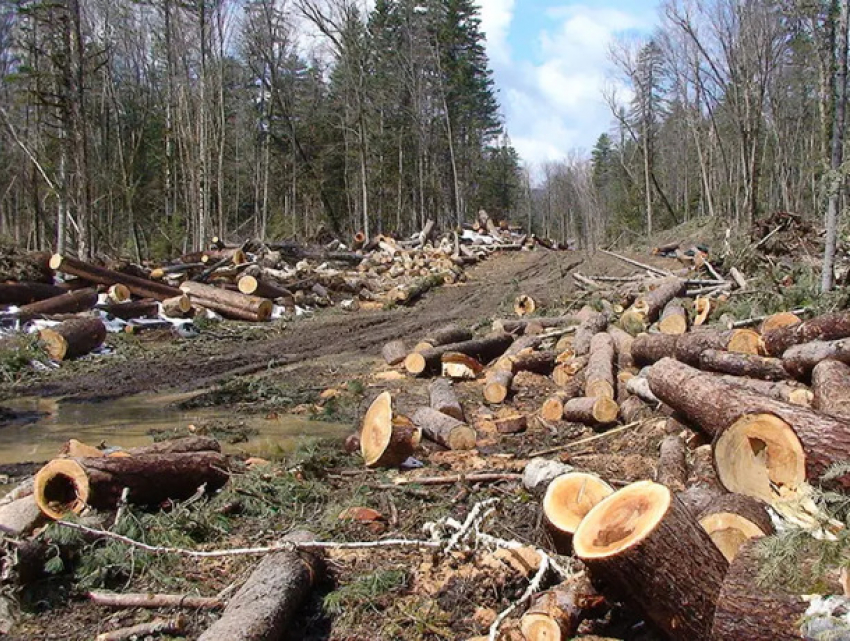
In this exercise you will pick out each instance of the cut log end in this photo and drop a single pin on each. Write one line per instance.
(61, 487)
(622, 520)
(570, 497)
(524, 305)
(385, 440)
(759, 454)
(777, 321)
(745, 341)
(414, 363)
(730, 531)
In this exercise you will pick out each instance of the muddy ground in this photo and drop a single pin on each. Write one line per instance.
(328, 365)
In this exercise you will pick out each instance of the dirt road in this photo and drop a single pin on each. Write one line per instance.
(195, 363)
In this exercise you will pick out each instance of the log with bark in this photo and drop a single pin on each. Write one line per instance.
(690, 346)
(519, 325)
(253, 286)
(443, 398)
(445, 335)
(553, 407)
(732, 519)
(497, 387)
(831, 388)
(511, 424)
(173, 626)
(672, 468)
(820, 328)
(64, 303)
(746, 610)
(800, 360)
(141, 287)
(542, 362)
(460, 366)
(738, 364)
(647, 548)
(153, 600)
(591, 411)
(70, 484)
(25, 293)
(73, 337)
(177, 307)
(702, 473)
(599, 373)
(555, 615)
(177, 446)
(567, 501)
(762, 447)
(647, 308)
(444, 429)
(144, 308)
(21, 516)
(597, 322)
(778, 321)
(387, 440)
(674, 318)
(394, 352)
(264, 607)
(483, 349)
(118, 293)
(567, 369)
(227, 303)
(411, 292)
(634, 409)
(789, 391)
(623, 342)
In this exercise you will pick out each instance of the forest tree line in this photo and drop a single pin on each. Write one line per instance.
(146, 127)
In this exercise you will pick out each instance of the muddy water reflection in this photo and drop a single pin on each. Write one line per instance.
(127, 422)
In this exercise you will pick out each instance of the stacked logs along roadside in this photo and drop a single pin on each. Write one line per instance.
(756, 411)
(252, 281)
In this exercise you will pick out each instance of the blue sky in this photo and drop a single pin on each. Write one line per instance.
(550, 61)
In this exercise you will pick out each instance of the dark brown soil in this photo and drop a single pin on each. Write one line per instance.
(192, 364)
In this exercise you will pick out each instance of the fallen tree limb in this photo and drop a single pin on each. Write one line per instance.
(151, 600)
(175, 625)
(630, 261)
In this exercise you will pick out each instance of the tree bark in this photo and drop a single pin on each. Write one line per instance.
(444, 336)
(443, 398)
(444, 429)
(145, 308)
(140, 287)
(831, 387)
(253, 286)
(557, 613)
(647, 308)
(66, 303)
(591, 411)
(25, 293)
(72, 338)
(646, 547)
(597, 322)
(394, 352)
(623, 342)
(672, 468)
(69, 485)
(265, 605)
(542, 362)
(737, 364)
(229, 304)
(599, 373)
(553, 407)
(519, 325)
(746, 610)
(21, 516)
(821, 328)
(482, 349)
(800, 360)
(498, 386)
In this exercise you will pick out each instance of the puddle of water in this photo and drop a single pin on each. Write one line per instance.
(127, 422)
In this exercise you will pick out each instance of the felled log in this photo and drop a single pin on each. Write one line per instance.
(746, 610)
(690, 346)
(460, 366)
(73, 337)
(65, 303)
(820, 328)
(253, 286)
(595, 323)
(498, 386)
(542, 362)
(566, 370)
(553, 407)
(519, 325)
(177, 307)
(674, 318)
(649, 348)
(555, 615)
(702, 472)
(672, 468)
(788, 391)
(177, 446)
(145, 308)
(482, 349)
(647, 548)
(524, 305)
(443, 398)
(591, 411)
(387, 440)
(229, 304)
(411, 292)
(599, 373)
(265, 605)
(512, 424)
(623, 343)
(444, 429)
(445, 335)
(800, 360)
(294, 252)
(118, 293)
(778, 321)
(172, 626)
(394, 352)
(25, 293)
(21, 516)
(183, 268)
(634, 409)
(141, 287)
(152, 600)
(831, 387)
(732, 519)
(737, 364)
(568, 499)
(648, 307)
(639, 386)
(70, 484)
(759, 443)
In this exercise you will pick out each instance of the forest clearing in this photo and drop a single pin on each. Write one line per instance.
(694, 391)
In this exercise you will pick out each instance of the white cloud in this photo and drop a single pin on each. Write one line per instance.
(554, 103)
